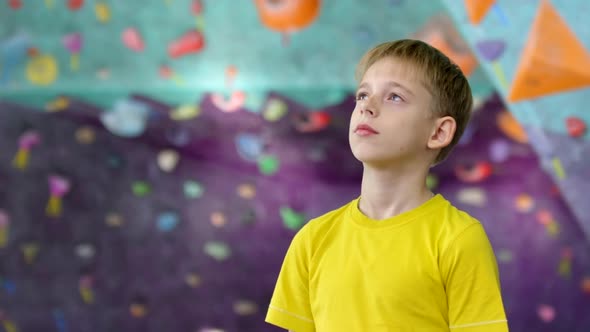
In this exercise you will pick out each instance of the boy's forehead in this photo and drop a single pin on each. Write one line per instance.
(409, 70)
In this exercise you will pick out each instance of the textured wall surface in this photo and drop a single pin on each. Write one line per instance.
(558, 36)
(130, 51)
(185, 225)
(186, 142)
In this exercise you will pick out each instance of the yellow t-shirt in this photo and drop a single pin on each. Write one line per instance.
(428, 269)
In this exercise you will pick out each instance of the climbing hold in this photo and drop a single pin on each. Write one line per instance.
(246, 191)
(491, 50)
(472, 196)
(193, 189)
(141, 188)
(132, 39)
(292, 219)
(218, 219)
(546, 313)
(167, 160)
(249, 146)
(218, 250)
(499, 150)
(476, 173)
(245, 307)
(268, 165)
(191, 42)
(275, 109)
(85, 135)
(167, 221)
(554, 59)
(575, 126)
(524, 203)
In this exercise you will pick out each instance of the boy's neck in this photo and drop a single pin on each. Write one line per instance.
(388, 192)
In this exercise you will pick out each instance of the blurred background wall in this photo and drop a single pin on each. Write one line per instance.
(157, 157)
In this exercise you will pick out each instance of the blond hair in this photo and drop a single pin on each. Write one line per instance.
(442, 78)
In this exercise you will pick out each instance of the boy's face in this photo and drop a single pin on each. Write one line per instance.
(393, 120)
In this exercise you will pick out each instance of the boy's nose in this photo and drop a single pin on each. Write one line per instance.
(368, 110)
(369, 107)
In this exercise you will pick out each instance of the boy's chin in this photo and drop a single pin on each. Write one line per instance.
(381, 161)
(373, 158)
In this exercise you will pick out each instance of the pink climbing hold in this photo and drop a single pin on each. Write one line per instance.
(132, 39)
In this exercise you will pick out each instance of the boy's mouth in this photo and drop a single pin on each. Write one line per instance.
(365, 130)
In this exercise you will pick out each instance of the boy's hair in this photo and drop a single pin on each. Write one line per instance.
(442, 78)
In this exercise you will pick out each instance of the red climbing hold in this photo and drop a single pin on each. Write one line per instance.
(575, 126)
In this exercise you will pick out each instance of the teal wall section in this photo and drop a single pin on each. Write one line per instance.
(544, 118)
(315, 67)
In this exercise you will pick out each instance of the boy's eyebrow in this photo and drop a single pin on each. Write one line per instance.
(398, 85)
(390, 83)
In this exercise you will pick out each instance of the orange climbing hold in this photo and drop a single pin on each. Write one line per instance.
(287, 16)
(511, 128)
(477, 9)
(553, 59)
(465, 60)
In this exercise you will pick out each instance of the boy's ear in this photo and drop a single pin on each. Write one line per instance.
(443, 132)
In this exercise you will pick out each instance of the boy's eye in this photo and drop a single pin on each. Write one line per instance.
(361, 96)
(395, 97)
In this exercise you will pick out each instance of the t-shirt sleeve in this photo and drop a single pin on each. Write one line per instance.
(290, 305)
(470, 272)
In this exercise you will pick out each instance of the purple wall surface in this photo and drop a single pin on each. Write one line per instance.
(183, 226)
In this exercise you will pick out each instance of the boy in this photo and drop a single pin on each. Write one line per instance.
(398, 258)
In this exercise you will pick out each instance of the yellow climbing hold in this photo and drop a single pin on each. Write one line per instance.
(42, 69)
(552, 229)
(559, 172)
(102, 11)
(58, 104)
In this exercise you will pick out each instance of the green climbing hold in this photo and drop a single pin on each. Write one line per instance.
(141, 188)
(292, 219)
(275, 110)
(218, 250)
(268, 165)
(193, 189)
(505, 256)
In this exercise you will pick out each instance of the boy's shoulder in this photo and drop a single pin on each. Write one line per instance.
(454, 223)
(329, 218)
(333, 214)
(456, 217)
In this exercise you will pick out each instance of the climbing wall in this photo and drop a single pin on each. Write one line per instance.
(536, 53)
(179, 50)
(156, 160)
(178, 229)
(184, 226)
